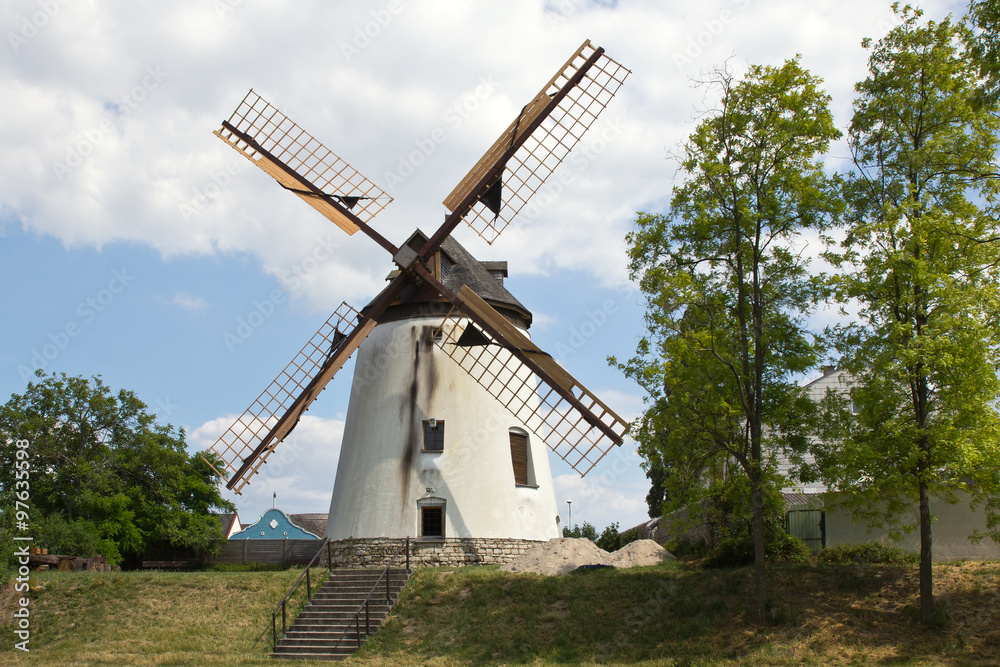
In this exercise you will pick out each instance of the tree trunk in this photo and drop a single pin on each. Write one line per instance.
(759, 556)
(926, 571)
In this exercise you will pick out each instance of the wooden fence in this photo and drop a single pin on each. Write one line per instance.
(299, 552)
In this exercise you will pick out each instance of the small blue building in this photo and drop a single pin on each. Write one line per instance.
(274, 525)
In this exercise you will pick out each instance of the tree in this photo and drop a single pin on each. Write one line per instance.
(922, 253)
(728, 290)
(104, 473)
(657, 495)
(984, 46)
(587, 530)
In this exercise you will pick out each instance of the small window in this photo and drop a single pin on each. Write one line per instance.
(519, 456)
(433, 435)
(432, 521)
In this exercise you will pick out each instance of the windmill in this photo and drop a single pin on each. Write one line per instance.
(443, 345)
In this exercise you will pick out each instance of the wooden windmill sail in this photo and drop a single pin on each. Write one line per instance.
(581, 428)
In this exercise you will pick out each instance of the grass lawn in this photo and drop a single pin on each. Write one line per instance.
(665, 615)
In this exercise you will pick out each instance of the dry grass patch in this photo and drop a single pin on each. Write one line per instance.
(669, 614)
(150, 618)
(824, 615)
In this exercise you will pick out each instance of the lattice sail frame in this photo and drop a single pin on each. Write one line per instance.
(281, 138)
(256, 422)
(531, 164)
(534, 403)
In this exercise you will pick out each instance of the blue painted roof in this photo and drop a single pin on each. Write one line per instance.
(273, 525)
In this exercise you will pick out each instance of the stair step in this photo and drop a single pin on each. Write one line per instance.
(361, 592)
(314, 619)
(323, 623)
(348, 646)
(326, 628)
(341, 612)
(314, 655)
(348, 640)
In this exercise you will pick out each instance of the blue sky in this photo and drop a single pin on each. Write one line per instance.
(132, 241)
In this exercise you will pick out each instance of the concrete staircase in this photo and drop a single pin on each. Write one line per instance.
(325, 629)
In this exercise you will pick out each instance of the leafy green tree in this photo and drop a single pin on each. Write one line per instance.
(728, 289)
(611, 539)
(983, 40)
(922, 253)
(657, 495)
(586, 530)
(104, 475)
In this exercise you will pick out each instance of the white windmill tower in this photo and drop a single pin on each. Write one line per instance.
(451, 404)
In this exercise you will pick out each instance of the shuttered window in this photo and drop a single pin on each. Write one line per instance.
(519, 457)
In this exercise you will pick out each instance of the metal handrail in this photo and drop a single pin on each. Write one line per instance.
(388, 598)
(281, 605)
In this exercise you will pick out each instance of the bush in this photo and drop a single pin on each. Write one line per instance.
(779, 547)
(75, 538)
(612, 540)
(867, 552)
(686, 545)
(586, 530)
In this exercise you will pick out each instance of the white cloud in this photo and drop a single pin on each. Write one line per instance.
(301, 470)
(603, 499)
(110, 116)
(189, 302)
(109, 109)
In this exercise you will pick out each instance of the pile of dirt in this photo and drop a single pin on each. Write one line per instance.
(640, 554)
(560, 555)
(565, 554)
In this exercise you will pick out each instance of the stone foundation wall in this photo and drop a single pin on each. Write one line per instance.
(451, 552)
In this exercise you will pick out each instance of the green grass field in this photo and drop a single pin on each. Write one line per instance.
(665, 615)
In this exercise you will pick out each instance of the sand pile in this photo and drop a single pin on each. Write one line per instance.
(639, 554)
(560, 555)
(565, 554)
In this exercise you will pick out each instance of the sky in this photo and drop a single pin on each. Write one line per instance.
(137, 246)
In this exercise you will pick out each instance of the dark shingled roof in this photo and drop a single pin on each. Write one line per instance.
(314, 523)
(227, 520)
(459, 267)
(467, 270)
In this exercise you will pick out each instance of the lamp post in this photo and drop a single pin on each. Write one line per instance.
(569, 504)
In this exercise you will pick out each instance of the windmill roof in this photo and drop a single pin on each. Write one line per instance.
(459, 267)
(467, 270)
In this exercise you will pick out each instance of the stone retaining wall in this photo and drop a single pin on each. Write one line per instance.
(451, 552)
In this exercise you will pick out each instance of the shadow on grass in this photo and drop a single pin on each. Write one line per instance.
(825, 614)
